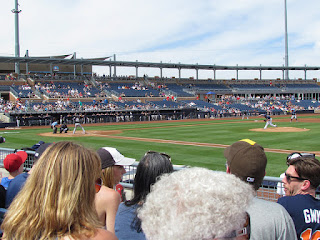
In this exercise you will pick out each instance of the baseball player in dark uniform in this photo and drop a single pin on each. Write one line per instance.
(64, 128)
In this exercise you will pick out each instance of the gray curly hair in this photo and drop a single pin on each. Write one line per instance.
(195, 203)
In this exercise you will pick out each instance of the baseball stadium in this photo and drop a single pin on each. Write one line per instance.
(190, 120)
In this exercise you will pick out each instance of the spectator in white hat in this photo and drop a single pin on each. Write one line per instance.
(107, 199)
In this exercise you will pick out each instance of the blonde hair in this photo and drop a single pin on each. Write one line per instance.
(58, 197)
(107, 176)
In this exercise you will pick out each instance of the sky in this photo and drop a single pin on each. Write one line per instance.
(221, 32)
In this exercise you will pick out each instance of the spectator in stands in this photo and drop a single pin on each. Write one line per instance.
(107, 199)
(18, 182)
(280, 186)
(2, 196)
(247, 160)
(13, 163)
(151, 166)
(300, 183)
(193, 204)
(57, 201)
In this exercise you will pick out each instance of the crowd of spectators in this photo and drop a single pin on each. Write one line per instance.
(73, 187)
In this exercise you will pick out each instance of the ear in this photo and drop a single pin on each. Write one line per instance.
(305, 185)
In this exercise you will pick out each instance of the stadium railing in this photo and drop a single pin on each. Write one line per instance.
(267, 191)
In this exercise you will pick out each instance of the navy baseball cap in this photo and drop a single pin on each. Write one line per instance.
(41, 149)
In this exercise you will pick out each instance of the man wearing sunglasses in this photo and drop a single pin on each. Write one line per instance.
(269, 221)
(300, 183)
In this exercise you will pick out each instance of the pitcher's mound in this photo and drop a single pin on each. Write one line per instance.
(280, 129)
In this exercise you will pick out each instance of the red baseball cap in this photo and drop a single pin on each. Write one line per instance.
(13, 161)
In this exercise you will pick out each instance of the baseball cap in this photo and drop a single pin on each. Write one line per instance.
(111, 156)
(247, 160)
(13, 161)
(40, 150)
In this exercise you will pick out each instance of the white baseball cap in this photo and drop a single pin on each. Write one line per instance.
(111, 156)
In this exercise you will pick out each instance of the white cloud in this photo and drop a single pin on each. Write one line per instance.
(244, 32)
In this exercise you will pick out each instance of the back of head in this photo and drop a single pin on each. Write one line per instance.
(149, 169)
(58, 197)
(308, 168)
(109, 158)
(214, 202)
(247, 160)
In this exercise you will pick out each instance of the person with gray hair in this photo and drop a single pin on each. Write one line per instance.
(193, 204)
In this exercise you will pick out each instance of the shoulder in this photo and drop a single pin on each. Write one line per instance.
(107, 195)
(266, 206)
(104, 235)
(21, 178)
(295, 201)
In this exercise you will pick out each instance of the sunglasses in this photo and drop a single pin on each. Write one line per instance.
(289, 178)
(98, 184)
(161, 153)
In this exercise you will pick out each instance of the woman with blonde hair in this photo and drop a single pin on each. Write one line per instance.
(57, 200)
(107, 199)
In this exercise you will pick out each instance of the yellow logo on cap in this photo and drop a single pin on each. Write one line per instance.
(248, 141)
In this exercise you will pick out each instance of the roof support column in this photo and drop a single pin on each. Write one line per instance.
(305, 72)
(137, 71)
(27, 64)
(260, 73)
(51, 70)
(237, 73)
(110, 70)
(115, 70)
(74, 66)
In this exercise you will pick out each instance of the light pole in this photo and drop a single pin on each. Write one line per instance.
(286, 57)
(16, 11)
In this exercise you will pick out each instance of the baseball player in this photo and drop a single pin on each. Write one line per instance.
(54, 126)
(293, 115)
(77, 124)
(64, 128)
(268, 121)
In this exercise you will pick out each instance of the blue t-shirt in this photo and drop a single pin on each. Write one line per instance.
(305, 213)
(5, 182)
(14, 187)
(123, 226)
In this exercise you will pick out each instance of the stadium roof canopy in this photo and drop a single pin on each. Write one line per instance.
(104, 62)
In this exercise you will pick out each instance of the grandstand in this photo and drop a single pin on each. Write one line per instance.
(43, 94)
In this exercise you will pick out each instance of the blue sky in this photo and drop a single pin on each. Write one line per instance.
(243, 32)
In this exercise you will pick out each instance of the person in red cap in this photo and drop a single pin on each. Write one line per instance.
(13, 163)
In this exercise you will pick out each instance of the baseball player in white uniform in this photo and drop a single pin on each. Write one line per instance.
(268, 121)
(77, 124)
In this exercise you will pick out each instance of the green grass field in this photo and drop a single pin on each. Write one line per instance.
(210, 131)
